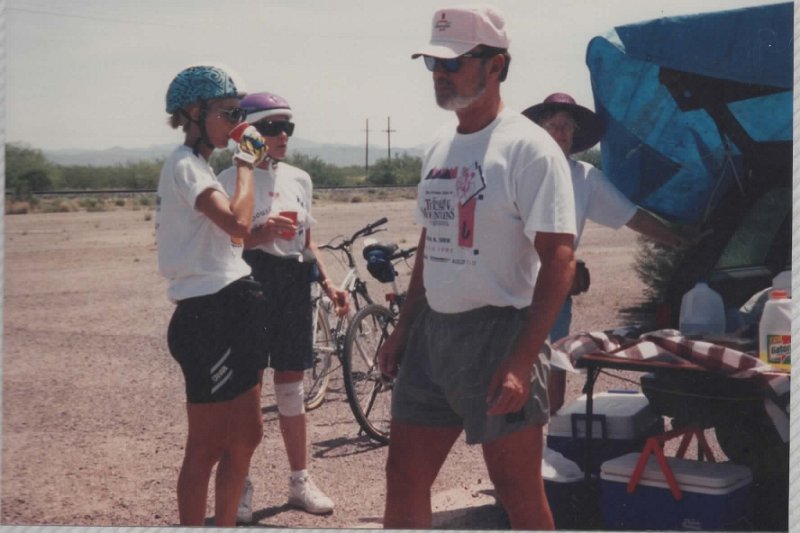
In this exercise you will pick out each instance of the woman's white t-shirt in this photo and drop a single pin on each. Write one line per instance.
(195, 255)
(597, 199)
(482, 199)
(280, 187)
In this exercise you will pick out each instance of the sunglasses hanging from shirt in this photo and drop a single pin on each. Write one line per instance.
(268, 128)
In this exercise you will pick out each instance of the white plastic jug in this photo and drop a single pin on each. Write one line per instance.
(783, 281)
(702, 311)
(775, 331)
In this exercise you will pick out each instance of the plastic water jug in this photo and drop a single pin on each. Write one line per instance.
(783, 281)
(775, 331)
(702, 311)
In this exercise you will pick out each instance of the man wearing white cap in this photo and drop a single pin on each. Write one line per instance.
(497, 210)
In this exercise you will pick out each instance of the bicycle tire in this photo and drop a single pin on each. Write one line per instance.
(316, 378)
(369, 393)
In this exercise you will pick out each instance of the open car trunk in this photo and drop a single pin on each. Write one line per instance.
(699, 131)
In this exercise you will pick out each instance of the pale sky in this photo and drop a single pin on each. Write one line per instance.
(94, 73)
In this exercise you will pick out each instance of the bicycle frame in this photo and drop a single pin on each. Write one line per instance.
(394, 299)
(368, 390)
(328, 337)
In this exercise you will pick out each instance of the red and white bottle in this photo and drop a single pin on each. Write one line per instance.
(775, 331)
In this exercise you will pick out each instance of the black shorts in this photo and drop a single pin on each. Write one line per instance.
(216, 339)
(287, 301)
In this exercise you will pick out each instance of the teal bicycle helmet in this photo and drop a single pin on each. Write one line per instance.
(199, 84)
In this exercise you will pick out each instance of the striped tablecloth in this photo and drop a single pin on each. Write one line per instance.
(669, 346)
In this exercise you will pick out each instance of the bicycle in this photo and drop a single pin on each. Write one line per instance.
(369, 391)
(328, 330)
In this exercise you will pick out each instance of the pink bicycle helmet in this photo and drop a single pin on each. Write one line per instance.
(263, 105)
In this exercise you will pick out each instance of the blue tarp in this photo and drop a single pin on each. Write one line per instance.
(671, 157)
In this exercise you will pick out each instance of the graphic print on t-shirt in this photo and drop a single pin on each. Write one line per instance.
(465, 183)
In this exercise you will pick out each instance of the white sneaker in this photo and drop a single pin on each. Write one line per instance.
(305, 494)
(244, 514)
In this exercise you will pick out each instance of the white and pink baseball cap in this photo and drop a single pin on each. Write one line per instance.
(457, 30)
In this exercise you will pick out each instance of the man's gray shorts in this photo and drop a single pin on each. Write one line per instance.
(447, 366)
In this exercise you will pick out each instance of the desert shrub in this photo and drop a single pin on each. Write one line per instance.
(55, 206)
(17, 207)
(92, 204)
(323, 174)
(402, 170)
(27, 171)
(654, 264)
(145, 200)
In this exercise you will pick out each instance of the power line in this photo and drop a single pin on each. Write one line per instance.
(366, 165)
(89, 17)
(389, 131)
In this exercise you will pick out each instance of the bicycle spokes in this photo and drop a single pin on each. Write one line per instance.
(368, 391)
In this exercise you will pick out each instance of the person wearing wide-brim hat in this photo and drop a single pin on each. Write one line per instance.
(589, 129)
(575, 129)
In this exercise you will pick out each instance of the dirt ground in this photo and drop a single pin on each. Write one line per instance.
(93, 413)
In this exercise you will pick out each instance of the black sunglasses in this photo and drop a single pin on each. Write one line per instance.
(268, 128)
(233, 115)
(454, 64)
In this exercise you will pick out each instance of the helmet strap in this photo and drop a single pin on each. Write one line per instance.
(201, 121)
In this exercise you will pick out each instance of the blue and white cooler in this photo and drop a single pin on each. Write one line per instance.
(713, 496)
(622, 421)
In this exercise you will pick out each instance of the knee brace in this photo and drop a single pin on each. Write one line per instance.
(289, 398)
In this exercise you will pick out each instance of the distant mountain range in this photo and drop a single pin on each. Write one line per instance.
(334, 154)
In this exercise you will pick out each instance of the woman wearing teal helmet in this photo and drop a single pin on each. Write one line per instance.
(216, 328)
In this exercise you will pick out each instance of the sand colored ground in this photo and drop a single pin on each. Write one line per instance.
(93, 406)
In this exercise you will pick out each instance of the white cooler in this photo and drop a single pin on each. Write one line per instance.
(626, 417)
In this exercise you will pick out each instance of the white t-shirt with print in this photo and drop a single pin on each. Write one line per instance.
(195, 255)
(597, 199)
(280, 187)
(482, 199)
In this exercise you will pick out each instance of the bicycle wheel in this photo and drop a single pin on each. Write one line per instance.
(315, 379)
(368, 391)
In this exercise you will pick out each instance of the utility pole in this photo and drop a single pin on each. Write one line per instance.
(389, 131)
(366, 160)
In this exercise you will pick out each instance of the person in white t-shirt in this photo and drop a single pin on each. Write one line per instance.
(283, 258)
(214, 332)
(494, 264)
(576, 129)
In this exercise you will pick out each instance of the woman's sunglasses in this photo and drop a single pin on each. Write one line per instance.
(268, 128)
(453, 65)
(234, 115)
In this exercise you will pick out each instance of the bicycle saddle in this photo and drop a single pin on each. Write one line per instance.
(386, 249)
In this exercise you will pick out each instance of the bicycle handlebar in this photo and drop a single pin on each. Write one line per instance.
(369, 229)
(403, 254)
